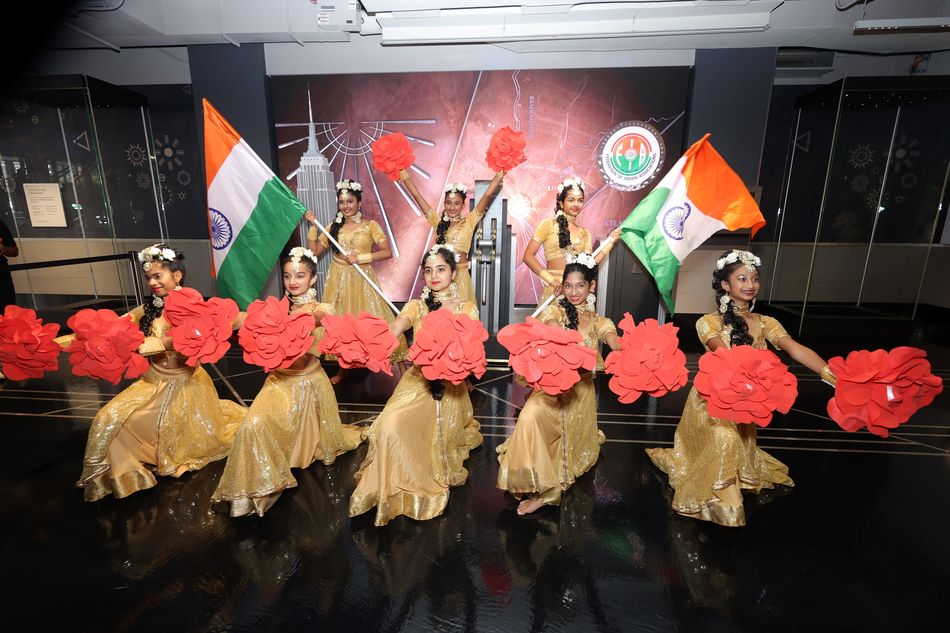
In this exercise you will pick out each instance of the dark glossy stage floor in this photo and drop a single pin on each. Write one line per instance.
(862, 543)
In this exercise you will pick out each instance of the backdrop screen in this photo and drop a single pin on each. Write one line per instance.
(567, 115)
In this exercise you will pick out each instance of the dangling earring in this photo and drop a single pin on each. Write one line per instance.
(724, 303)
(591, 301)
(445, 217)
(453, 291)
(177, 287)
(339, 217)
(752, 305)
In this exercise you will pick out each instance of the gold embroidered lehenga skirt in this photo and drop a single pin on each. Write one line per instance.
(414, 455)
(169, 421)
(712, 461)
(555, 440)
(293, 421)
(463, 280)
(349, 293)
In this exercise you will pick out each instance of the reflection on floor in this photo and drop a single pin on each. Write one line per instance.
(860, 544)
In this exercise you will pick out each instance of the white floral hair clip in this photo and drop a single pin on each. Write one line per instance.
(435, 251)
(298, 252)
(572, 183)
(748, 259)
(155, 253)
(584, 259)
(347, 184)
(456, 187)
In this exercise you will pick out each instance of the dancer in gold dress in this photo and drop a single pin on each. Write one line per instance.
(293, 421)
(713, 460)
(556, 438)
(416, 447)
(454, 228)
(345, 289)
(560, 236)
(170, 420)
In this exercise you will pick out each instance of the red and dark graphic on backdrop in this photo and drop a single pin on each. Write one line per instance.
(618, 129)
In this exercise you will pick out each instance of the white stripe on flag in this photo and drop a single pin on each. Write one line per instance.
(235, 189)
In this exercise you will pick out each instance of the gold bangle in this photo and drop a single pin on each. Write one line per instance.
(364, 258)
(608, 246)
(312, 234)
(828, 376)
(546, 277)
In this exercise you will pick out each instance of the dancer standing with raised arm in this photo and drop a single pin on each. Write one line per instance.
(346, 290)
(453, 227)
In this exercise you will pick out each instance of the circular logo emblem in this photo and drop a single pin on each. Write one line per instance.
(631, 155)
(221, 233)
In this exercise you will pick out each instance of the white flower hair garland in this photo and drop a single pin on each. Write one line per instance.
(749, 260)
(584, 259)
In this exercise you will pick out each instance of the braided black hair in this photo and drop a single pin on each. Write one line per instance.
(590, 276)
(739, 335)
(336, 225)
(153, 311)
(437, 387)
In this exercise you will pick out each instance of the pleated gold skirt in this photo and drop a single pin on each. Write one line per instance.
(555, 441)
(349, 293)
(416, 455)
(169, 421)
(293, 421)
(712, 461)
(463, 279)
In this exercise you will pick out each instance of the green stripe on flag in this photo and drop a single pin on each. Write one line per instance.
(642, 234)
(256, 248)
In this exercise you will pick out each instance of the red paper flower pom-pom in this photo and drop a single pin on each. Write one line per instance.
(649, 360)
(391, 154)
(201, 329)
(106, 346)
(359, 341)
(745, 384)
(546, 356)
(506, 150)
(271, 338)
(880, 390)
(449, 347)
(27, 349)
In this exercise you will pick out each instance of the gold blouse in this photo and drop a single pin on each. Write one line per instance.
(762, 328)
(547, 235)
(415, 310)
(317, 332)
(460, 232)
(359, 239)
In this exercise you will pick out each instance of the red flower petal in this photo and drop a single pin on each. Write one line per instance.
(27, 349)
(271, 337)
(546, 356)
(392, 153)
(744, 384)
(363, 341)
(506, 150)
(449, 347)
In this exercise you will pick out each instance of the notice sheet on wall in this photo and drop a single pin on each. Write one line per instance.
(45, 204)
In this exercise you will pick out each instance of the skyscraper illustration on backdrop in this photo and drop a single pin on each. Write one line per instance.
(316, 190)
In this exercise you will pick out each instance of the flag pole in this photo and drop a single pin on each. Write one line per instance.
(548, 301)
(356, 266)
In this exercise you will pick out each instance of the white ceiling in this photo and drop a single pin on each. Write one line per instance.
(527, 26)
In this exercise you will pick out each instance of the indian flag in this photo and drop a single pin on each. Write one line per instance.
(698, 196)
(251, 213)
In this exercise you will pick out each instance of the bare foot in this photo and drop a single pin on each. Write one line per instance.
(528, 506)
(338, 377)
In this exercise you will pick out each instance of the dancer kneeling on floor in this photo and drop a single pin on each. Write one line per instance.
(170, 420)
(713, 460)
(415, 454)
(556, 438)
(294, 420)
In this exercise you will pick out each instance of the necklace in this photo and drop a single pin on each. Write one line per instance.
(308, 297)
(451, 294)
